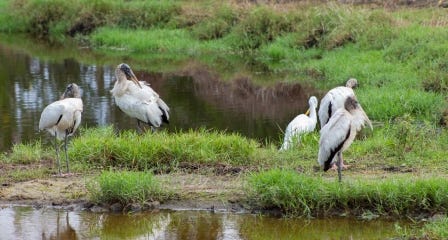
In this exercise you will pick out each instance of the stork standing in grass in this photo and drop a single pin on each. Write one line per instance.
(62, 118)
(334, 100)
(338, 134)
(138, 100)
(301, 124)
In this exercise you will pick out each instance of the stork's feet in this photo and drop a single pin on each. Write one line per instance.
(64, 175)
(335, 167)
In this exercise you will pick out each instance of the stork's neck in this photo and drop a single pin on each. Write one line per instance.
(313, 115)
(120, 86)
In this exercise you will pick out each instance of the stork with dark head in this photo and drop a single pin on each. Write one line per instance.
(62, 118)
(339, 133)
(137, 99)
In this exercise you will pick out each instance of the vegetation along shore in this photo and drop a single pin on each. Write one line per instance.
(398, 53)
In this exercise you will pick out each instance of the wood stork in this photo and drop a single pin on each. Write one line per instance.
(338, 134)
(301, 124)
(137, 99)
(334, 100)
(62, 118)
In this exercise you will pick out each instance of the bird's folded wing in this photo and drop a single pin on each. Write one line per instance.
(51, 115)
(333, 135)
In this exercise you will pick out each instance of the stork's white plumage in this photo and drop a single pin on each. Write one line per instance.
(137, 99)
(62, 118)
(301, 124)
(334, 100)
(338, 134)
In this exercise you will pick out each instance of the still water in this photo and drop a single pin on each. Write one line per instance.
(50, 223)
(32, 75)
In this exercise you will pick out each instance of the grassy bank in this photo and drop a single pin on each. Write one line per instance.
(304, 195)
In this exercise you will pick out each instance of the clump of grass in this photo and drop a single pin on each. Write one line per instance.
(20, 175)
(262, 25)
(334, 25)
(125, 188)
(216, 26)
(147, 14)
(304, 195)
(24, 153)
(437, 229)
(105, 148)
(45, 17)
(434, 229)
(156, 40)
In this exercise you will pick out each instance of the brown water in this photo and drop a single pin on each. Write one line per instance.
(32, 75)
(50, 223)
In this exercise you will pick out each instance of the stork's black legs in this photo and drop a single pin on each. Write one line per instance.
(65, 149)
(56, 147)
(339, 166)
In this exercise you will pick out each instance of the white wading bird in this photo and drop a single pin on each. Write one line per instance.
(338, 134)
(62, 118)
(137, 99)
(334, 100)
(301, 124)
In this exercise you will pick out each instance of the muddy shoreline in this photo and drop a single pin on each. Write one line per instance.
(192, 192)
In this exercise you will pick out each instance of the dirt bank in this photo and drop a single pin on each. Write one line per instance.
(192, 191)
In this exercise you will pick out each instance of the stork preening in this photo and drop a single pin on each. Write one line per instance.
(138, 100)
(338, 134)
(301, 124)
(334, 100)
(62, 118)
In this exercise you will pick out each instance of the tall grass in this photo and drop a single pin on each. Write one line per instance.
(26, 153)
(125, 188)
(437, 229)
(403, 143)
(176, 41)
(102, 147)
(303, 195)
(45, 18)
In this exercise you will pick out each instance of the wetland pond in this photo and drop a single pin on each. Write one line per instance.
(51, 223)
(32, 75)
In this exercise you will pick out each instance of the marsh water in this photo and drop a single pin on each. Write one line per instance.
(51, 223)
(33, 74)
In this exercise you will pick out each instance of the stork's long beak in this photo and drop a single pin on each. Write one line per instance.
(307, 112)
(135, 80)
(131, 76)
(367, 119)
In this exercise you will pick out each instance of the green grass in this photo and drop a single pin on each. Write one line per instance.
(25, 174)
(401, 143)
(437, 229)
(102, 147)
(126, 187)
(304, 195)
(157, 40)
(26, 153)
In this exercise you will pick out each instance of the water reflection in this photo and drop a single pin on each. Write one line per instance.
(197, 97)
(48, 223)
